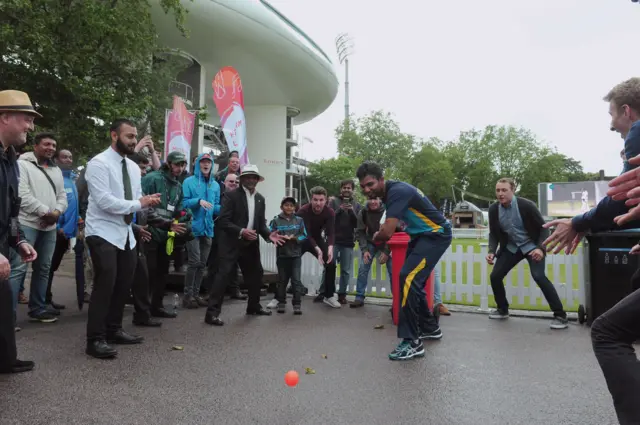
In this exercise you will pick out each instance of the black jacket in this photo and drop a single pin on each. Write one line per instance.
(368, 225)
(531, 218)
(234, 216)
(346, 221)
(10, 233)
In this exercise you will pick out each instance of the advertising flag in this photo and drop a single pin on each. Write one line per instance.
(229, 100)
(178, 131)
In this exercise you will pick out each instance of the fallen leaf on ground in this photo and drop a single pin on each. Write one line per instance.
(309, 371)
(378, 327)
(177, 347)
(324, 356)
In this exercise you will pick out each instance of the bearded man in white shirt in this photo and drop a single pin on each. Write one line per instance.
(114, 195)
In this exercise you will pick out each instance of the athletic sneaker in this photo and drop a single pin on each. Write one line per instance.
(435, 334)
(297, 310)
(44, 317)
(407, 350)
(282, 308)
(498, 314)
(332, 302)
(559, 323)
(272, 304)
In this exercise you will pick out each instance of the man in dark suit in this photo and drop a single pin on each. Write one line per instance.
(241, 221)
(516, 225)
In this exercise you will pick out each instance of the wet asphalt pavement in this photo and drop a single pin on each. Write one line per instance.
(481, 372)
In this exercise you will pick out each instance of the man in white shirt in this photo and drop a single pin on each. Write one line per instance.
(114, 195)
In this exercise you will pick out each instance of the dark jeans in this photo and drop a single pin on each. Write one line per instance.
(329, 269)
(289, 268)
(423, 254)
(113, 274)
(248, 258)
(612, 335)
(62, 244)
(507, 261)
(158, 266)
(140, 290)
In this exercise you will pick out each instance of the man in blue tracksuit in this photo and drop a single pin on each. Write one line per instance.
(202, 196)
(67, 227)
(430, 237)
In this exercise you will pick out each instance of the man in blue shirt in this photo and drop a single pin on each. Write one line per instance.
(430, 237)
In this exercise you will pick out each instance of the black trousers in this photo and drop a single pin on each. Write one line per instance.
(140, 290)
(212, 270)
(8, 352)
(158, 266)
(62, 245)
(329, 284)
(507, 261)
(612, 336)
(113, 271)
(248, 258)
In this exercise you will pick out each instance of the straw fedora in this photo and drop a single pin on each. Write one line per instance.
(251, 170)
(16, 101)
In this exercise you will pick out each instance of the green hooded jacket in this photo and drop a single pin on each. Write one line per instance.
(170, 190)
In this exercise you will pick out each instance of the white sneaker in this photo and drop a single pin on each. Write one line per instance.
(332, 302)
(272, 304)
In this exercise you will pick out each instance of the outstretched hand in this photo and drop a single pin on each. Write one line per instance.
(563, 237)
(277, 239)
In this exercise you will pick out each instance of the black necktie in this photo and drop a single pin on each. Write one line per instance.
(127, 189)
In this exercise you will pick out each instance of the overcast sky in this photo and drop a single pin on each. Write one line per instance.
(446, 66)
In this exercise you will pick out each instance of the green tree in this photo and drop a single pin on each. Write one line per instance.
(328, 173)
(430, 171)
(86, 62)
(375, 137)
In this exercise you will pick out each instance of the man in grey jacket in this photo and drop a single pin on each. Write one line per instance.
(44, 199)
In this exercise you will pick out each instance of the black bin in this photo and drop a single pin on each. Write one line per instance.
(610, 268)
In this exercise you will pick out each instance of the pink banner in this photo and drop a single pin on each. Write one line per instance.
(178, 132)
(229, 100)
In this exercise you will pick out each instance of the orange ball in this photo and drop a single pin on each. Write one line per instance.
(291, 378)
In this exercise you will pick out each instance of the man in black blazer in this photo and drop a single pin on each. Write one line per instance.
(241, 221)
(515, 224)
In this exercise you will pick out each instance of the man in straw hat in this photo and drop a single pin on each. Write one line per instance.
(16, 120)
(242, 220)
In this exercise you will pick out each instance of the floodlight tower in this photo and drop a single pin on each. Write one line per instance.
(344, 47)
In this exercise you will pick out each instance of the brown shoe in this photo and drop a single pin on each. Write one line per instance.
(189, 303)
(356, 304)
(444, 311)
(342, 299)
(22, 299)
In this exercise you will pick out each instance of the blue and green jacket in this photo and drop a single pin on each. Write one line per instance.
(286, 226)
(195, 189)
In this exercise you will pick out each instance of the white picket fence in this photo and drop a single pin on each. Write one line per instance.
(465, 277)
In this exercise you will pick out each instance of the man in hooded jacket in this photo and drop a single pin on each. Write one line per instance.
(202, 196)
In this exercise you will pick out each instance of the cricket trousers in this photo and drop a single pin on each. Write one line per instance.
(423, 254)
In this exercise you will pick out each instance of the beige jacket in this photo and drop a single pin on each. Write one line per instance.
(38, 196)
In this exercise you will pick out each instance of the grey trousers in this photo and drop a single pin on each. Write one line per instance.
(197, 254)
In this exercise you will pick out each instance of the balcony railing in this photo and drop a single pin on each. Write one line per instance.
(292, 191)
(183, 90)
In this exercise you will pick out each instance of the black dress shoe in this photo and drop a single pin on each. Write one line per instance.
(100, 350)
(19, 366)
(238, 296)
(123, 338)
(163, 313)
(148, 323)
(261, 312)
(57, 306)
(213, 320)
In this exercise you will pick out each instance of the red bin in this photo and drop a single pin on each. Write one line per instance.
(398, 244)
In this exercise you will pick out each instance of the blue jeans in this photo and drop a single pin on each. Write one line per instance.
(437, 296)
(343, 255)
(44, 242)
(363, 271)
